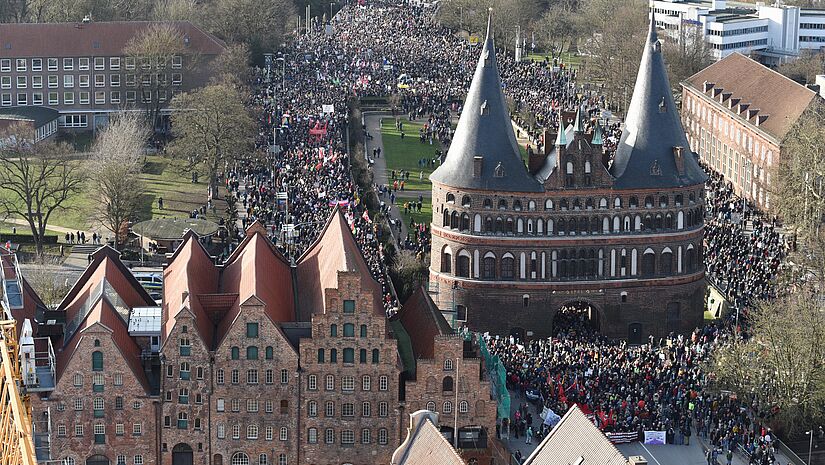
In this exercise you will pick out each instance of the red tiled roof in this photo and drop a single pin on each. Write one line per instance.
(102, 313)
(423, 321)
(335, 250)
(762, 88)
(191, 271)
(90, 39)
(258, 269)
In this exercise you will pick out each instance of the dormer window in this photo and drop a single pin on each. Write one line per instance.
(657, 46)
(662, 106)
(655, 170)
(499, 171)
(486, 58)
(485, 109)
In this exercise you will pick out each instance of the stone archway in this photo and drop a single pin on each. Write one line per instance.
(579, 315)
(97, 460)
(182, 454)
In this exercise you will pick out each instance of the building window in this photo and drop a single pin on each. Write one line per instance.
(183, 396)
(329, 436)
(269, 353)
(138, 460)
(83, 80)
(220, 405)
(329, 409)
(22, 99)
(236, 431)
(61, 431)
(177, 79)
(219, 376)
(312, 435)
(53, 82)
(252, 376)
(114, 63)
(221, 431)
(330, 382)
(119, 403)
(130, 62)
(252, 353)
(463, 407)
(236, 405)
(100, 80)
(118, 379)
(137, 429)
(320, 355)
(235, 353)
(382, 436)
(269, 433)
(37, 82)
(251, 405)
(97, 405)
(68, 98)
(284, 434)
(84, 98)
(366, 381)
(68, 81)
(362, 356)
(183, 420)
(21, 82)
(131, 96)
(52, 64)
(100, 433)
(349, 330)
(252, 330)
(383, 409)
(349, 306)
(333, 330)
(5, 82)
(383, 383)
(312, 408)
(114, 80)
(78, 380)
(282, 459)
(100, 63)
(119, 429)
(5, 65)
(100, 97)
(312, 382)
(121, 459)
(269, 376)
(184, 370)
(83, 64)
(348, 410)
(97, 361)
(348, 383)
(333, 356)
(5, 100)
(349, 355)
(21, 64)
(284, 376)
(78, 430)
(68, 64)
(240, 459)
(347, 437)
(263, 459)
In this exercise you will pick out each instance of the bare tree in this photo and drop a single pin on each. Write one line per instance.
(212, 128)
(232, 67)
(799, 189)
(686, 56)
(50, 285)
(37, 179)
(115, 166)
(560, 27)
(177, 10)
(780, 366)
(805, 68)
(155, 50)
(258, 23)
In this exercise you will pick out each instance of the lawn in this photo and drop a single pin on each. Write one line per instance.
(404, 155)
(569, 59)
(161, 177)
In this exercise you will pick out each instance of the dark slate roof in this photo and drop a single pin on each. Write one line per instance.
(644, 157)
(40, 116)
(489, 135)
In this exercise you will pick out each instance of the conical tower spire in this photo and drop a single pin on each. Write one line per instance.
(484, 153)
(561, 139)
(577, 126)
(653, 136)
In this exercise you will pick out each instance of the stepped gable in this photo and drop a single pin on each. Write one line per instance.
(190, 278)
(575, 439)
(106, 265)
(485, 130)
(423, 321)
(333, 252)
(257, 269)
(647, 152)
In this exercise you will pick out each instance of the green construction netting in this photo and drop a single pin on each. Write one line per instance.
(498, 377)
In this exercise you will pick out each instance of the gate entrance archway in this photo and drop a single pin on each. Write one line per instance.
(578, 317)
(97, 460)
(182, 454)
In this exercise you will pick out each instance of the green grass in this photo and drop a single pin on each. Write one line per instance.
(569, 59)
(161, 177)
(405, 154)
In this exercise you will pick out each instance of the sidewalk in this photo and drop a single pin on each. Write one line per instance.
(379, 168)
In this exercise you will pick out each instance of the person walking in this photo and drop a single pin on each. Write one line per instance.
(529, 435)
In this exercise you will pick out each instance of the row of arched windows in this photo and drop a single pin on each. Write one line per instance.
(589, 203)
(348, 355)
(572, 263)
(571, 225)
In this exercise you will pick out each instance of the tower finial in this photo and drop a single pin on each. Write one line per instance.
(489, 22)
(577, 125)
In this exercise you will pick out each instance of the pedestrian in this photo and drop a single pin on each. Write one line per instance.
(729, 457)
(529, 435)
(160, 203)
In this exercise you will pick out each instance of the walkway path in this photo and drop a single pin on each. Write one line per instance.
(372, 120)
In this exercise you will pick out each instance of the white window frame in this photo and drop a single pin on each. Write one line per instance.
(68, 64)
(100, 63)
(83, 64)
(68, 81)
(114, 63)
(37, 82)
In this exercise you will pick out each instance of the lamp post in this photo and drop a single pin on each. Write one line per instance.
(811, 443)
(283, 71)
(330, 11)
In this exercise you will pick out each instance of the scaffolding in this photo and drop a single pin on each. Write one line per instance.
(16, 445)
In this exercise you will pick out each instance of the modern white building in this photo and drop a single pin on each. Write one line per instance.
(771, 34)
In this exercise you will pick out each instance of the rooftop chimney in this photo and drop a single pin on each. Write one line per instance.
(478, 162)
(636, 460)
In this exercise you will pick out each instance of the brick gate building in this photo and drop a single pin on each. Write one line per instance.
(512, 245)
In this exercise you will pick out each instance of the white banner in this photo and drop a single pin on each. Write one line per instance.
(655, 437)
(328, 108)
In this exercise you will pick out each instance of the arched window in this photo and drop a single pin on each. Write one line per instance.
(97, 361)
(235, 353)
(633, 202)
(431, 406)
(349, 330)
(663, 201)
(603, 203)
(454, 220)
(240, 459)
(68, 461)
(376, 356)
(678, 200)
(488, 225)
(648, 263)
(446, 259)
(510, 226)
(465, 222)
(507, 267)
(488, 203)
(586, 167)
(605, 225)
(588, 204)
(477, 223)
(252, 353)
(617, 202)
(463, 407)
(666, 262)
(362, 356)
(320, 355)
(658, 221)
(269, 353)
(568, 167)
(502, 204)
(450, 197)
(531, 205)
(349, 355)
(447, 407)
(445, 221)
(649, 201)
(447, 384)
(548, 204)
(669, 221)
(488, 269)
(448, 364)
(465, 201)
(520, 226)
(517, 205)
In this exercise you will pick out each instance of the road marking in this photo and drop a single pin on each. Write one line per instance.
(651, 453)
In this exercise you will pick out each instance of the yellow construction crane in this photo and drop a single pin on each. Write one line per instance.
(16, 439)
